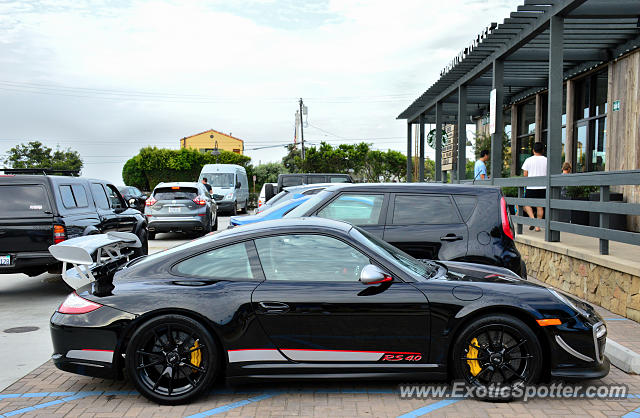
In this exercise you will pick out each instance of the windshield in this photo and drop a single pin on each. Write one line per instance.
(220, 179)
(277, 197)
(308, 205)
(404, 260)
(279, 205)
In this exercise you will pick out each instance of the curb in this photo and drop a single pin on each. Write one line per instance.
(623, 358)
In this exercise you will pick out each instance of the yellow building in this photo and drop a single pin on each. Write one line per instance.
(209, 140)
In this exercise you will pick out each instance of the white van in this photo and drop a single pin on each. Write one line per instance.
(229, 186)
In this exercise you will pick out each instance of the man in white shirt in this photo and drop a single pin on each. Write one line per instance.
(534, 166)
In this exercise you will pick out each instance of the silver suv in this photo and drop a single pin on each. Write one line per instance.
(180, 207)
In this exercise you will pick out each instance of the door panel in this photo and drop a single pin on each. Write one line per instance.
(426, 226)
(108, 219)
(313, 307)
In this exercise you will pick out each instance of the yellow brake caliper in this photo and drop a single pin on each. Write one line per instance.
(474, 365)
(196, 356)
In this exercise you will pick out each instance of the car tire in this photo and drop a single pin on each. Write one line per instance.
(215, 224)
(246, 206)
(152, 235)
(496, 350)
(234, 209)
(180, 375)
(144, 240)
(523, 270)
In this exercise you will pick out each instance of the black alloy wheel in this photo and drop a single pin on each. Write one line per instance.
(497, 351)
(171, 359)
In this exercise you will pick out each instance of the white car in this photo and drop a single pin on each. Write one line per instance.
(261, 199)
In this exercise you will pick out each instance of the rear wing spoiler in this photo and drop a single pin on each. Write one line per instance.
(94, 256)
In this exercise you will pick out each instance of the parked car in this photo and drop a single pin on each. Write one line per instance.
(262, 199)
(298, 179)
(317, 298)
(181, 207)
(229, 186)
(37, 211)
(288, 193)
(431, 221)
(133, 196)
(276, 211)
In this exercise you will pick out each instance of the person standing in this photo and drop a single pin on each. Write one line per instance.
(535, 166)
(480, 168)
(206, 184)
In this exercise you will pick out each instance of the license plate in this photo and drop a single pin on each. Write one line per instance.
(174, 210)
(5, 260)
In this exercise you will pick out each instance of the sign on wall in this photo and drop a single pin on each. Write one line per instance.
(616, 105)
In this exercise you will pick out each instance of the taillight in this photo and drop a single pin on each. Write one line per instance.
(74, 304)
(504, 215)
(199, 200)
(150, 201)
(59, 234)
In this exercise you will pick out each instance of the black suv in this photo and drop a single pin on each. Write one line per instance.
(426, 220)
(37, 211)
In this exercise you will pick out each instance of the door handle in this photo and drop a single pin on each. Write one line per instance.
(274, 307)
(451, 237)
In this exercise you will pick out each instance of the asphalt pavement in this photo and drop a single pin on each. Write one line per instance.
(26, 304)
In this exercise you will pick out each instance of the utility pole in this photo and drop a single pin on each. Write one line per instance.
(301, 129)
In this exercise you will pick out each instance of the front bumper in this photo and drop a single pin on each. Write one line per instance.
(29, 262)
(225, 205)
(597, 371)
(87, 344)
(183, 224)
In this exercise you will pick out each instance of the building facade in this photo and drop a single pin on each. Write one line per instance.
(211, 140)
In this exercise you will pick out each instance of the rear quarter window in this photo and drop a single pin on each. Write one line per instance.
(73, 196)
(23, 200)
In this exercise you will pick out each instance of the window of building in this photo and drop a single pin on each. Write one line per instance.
(591, 124)
(526, 132)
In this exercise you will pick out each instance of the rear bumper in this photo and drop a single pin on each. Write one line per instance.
(225, 206)
(87, 344)
(29, 262)
(183, 224)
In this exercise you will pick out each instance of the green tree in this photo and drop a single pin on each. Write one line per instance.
(133, 175)
(35, 155)
(483, 141)
(292, 161)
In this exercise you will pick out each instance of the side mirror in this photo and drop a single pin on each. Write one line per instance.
(238, 185)
(371, 274)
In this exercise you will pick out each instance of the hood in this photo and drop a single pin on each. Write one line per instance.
(243, 220)
(481, 273)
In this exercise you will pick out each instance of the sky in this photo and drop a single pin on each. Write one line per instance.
(109, 77)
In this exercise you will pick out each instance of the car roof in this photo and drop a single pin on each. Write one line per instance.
(310, 224)
(415, 188)
(308, 186)
(178, 184)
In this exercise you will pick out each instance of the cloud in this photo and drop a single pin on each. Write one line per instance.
(167, 69)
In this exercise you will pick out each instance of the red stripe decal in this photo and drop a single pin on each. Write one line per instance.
(92, 349)
(333, 351)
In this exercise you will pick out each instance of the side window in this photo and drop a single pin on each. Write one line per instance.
(424, 209)
(67, 196)
(99, 196)
(230, 262)
(310, 258)
(357, 209)
(338, 180)
(466, 204)
(316, 179)
(80, 194)
(114, 197)
(289, 181)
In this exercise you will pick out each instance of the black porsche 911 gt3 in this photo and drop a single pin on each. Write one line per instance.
(315, 298)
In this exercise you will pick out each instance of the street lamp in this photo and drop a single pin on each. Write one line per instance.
(215, 151)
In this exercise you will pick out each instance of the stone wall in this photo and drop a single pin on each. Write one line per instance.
(612, 289)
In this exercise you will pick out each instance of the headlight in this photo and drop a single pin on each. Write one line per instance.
(601, 330)
(229, 196)
(568, 302)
